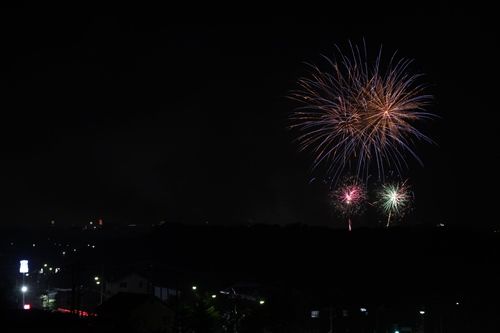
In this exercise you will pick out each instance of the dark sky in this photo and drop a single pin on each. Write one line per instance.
(149, 114)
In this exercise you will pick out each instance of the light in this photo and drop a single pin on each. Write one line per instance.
(315, 314)
(34, 244)
(194, 287)
(98, 282)
(63, 253)
(24, 289)
(362, 309)
(23, 266)
(396, 331)
(27, 306)
(50, 268)
(96, 278)
(261, 302)
(214, 296)
(457, 303)
(422, 312)
(44, 265)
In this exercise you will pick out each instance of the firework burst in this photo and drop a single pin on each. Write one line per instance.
(394, 200)
(349, 199)
(360, 113)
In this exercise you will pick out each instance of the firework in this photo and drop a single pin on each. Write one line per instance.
(360, 113)
(394, 199)
(349, 199)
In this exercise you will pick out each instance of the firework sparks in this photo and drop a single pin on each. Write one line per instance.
(359, 114)
(394, 199)
(349, 199)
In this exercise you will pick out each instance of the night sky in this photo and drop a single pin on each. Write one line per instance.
(150, 114)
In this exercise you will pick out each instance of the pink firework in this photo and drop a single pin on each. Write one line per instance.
(349, 199)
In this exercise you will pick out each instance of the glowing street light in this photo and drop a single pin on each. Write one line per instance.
(214, 296)
(24, 289)
(194, 287)
(422, 312)
(261, 302)
(96, 278)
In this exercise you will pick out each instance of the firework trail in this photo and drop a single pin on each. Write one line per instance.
(394, 199)
(349, 199)
(360, 113)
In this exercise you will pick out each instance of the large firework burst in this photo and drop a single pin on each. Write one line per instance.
(349, 199)
(394, 199)
(360, 112)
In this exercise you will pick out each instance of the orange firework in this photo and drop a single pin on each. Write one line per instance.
(358, 113)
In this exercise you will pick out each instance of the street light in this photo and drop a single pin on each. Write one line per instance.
(422, 312)
(96, 278)
(261, 302)
(194, 287)
(214, 296)
(24, 290)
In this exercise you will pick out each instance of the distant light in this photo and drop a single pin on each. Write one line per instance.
(57, 269)
(27, 274)
(88, 245)
(44, 265)
(261, 302)
(457, 303)
(93, 246)
(74, 250)
(362, 309)
(41, 271)
(315, 314)
(34, 244)
(422, 312)
(63, 253)
(396, 331)
(24, 289)
(91, 222)
(194, 287)
(96, 278)
(27, 306)
(98, 282)
(50, 268)
(214, 296)
(23, 266)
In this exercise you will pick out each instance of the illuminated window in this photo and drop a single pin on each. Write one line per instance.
(315, 314)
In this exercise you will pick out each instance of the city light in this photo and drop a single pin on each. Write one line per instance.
(261, 302)
(98, 282)
(96, 278)
(194, 287)
(214, 296)
(362, 309)
(24, 289)
(422, 312)
(27, 306)
(23, 266)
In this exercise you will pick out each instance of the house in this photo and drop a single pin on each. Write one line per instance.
(131, 283)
